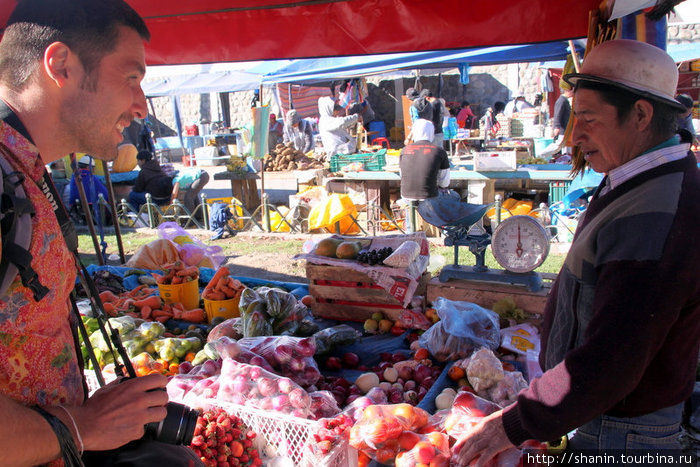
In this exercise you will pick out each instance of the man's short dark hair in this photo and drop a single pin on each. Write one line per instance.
(88, 27)
(499, 106)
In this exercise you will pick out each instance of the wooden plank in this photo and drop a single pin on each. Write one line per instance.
(353, 294)
(352, 312)
(485, 294)
(335, 273)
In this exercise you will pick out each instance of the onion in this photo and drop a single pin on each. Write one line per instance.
(285, 385)
(421, 372)
(280, 402)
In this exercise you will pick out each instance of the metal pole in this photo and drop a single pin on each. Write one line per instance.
(113, 207)
(86, 209)
(266, 213)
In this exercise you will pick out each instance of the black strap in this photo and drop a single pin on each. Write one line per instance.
(69, 452)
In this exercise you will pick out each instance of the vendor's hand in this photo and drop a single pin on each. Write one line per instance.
(483, 442)
(117, 413)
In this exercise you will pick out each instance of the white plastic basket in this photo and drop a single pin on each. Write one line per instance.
(285, 435)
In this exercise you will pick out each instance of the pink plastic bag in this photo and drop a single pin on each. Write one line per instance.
(192, 252)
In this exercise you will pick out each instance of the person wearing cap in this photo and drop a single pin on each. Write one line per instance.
(621, 327)
(424, 168)
(334, 129)
(92, 186)
(412, 94)
(517, 105)
(685, 119)
(298, 132)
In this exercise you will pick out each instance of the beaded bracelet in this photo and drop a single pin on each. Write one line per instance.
(69, 452)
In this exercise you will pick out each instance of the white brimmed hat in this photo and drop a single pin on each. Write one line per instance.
(638, 67)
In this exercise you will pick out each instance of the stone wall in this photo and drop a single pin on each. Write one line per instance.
(487, 84)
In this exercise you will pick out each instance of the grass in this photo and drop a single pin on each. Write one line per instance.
(250, 245)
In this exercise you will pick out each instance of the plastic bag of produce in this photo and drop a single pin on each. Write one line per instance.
(339, 335)
(323, 405)
(289, 356)
(250, 385)
(404, 255)
(463, 326)
(429, 449)
(379, 426)
(230, 348)
(230, 328)
(467, 410)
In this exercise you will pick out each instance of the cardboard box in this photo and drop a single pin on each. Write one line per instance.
(495, 161)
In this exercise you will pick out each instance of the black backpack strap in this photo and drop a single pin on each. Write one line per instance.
(15, 214)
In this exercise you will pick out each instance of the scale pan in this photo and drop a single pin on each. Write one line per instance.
(446, 211)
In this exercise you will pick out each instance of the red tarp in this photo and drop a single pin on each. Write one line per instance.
(206, 31)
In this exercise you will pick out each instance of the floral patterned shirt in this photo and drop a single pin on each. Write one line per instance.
(38, 362)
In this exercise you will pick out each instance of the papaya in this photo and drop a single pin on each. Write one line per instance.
(327, 247)
(348, 250)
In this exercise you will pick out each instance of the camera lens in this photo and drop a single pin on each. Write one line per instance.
(176, 428)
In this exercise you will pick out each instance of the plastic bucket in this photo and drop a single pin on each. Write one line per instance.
(222, 308)
(187, 294)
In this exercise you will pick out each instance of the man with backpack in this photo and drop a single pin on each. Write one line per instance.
(70, 74)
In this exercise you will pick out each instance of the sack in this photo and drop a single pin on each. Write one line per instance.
(16, 220)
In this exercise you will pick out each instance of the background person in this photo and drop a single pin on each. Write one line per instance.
(685, 119)
(621, 330)
(465, 116)
(70, 74)
(439, 112)
(275, 132)
(191, 181)
(298, 131)
(562, 113)
(151, 179)
(424, 168)
(334, 129)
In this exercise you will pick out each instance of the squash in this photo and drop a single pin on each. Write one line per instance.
(126, 159)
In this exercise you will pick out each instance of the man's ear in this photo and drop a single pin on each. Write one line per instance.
(642, 112)
(57, 63)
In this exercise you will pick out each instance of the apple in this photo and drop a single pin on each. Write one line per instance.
(351, 360)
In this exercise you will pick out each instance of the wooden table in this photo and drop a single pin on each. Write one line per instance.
(243, 187)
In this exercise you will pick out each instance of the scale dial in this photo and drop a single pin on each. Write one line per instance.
(520, 244)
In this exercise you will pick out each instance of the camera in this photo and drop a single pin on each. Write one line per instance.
(176, 428)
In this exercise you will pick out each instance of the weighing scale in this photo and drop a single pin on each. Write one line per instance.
(519, 244)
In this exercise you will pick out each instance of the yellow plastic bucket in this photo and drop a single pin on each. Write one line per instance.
(187, 294)
(222, 308)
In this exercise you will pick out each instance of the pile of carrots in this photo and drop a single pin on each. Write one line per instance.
(222, 286)
(150, 307)
(177, 273)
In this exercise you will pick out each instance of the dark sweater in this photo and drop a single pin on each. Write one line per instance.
(621, 331)
(151, 179)
(420, 164)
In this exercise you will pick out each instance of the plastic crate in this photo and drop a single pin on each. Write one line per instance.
(370, 160)
(286, 436)
(557, 191)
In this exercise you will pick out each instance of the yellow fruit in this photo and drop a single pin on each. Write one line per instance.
(348, 250)
(327, 247)
(385, 325)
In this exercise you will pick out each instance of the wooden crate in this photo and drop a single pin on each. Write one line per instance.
(485, 294)
(345, 294)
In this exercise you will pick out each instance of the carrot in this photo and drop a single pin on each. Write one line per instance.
(146, 312)
(176, 280)
(190, 271)
(135, 291)
(234, 283)
(227, 291)
(109, 308)
(161, 313)
(153, 302)
(193, 316)
(212, 295)
(158, 277)
(218, 275)
(108, 296)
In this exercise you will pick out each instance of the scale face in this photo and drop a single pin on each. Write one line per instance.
(520, 244)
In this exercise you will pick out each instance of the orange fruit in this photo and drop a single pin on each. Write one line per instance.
(407, 440)
(421, 354)
(189, 356)
(371, 412)
(420, 418)
(174, 368)
(363, 459)
(405, 413)
(142, 371)
(423, 452)
(385, 455)
(236, 449)
(456, 373)
(439, 440)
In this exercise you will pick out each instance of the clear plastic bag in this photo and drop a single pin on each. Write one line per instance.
(339, 335)
(270, 311)
(191, 251)
(404, 255)
(467, 410)
(463, 326)
(289, 356)
(249, 385)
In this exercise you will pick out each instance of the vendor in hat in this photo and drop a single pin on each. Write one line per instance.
(335, 129)
(621, 328)
(298, 132)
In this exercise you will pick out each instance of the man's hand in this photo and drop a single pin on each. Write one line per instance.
(484, 442)
(117, 413)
